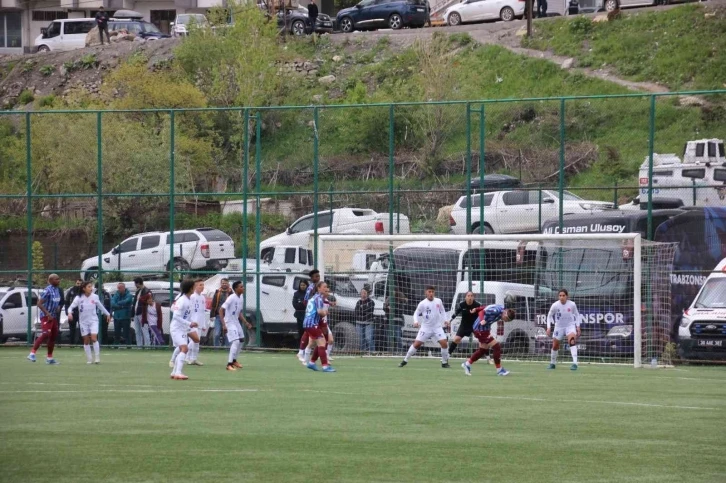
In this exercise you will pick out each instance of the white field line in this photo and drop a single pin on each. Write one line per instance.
(585, 401)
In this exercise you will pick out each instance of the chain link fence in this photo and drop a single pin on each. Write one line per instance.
(241, 194)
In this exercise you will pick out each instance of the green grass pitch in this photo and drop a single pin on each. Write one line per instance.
(275, 421)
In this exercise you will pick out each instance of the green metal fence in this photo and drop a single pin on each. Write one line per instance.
(75, 184)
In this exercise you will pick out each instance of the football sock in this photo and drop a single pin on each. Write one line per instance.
(452, 347)
(239, 349)
(176, 353)
(444, 356)
(573, 351)
(179, 367)
(304, 342)
(329, 350)
(308, 354)
(497, 350)
(232, 352)
(87, 349)
(323, 355)
(553, 357)
(97, 349)
(477, 355)
(191, 353)
(410, 353)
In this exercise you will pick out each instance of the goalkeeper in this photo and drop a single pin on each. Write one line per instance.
(482, 331)
(468, 317)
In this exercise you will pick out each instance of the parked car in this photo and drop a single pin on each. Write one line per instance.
(14, 311)
(137, 26)
(517, 211)
(183, 23)
(298, 22)
(702, 331)
(373, 14)
(149, 254)
(480, 10)
(64, 34)
(323, 23)
(359, 221)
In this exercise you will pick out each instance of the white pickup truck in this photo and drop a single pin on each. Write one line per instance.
(517, 211)
(354, 221)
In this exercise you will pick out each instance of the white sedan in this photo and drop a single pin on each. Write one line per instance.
(479, 10)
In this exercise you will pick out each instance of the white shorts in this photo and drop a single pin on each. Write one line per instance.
(561, 332)
(179, 338)
(234, 332)
(88, 328)
(425, 334)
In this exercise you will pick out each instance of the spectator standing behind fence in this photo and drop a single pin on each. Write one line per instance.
(220, 295)
(152, 318)
(541, 8)
(105, 298)
(102, 24)
(364, 322)
(122, 304)
(313, 13)
(394, 317)
(141, 291)
(298, 303)
(71, 294)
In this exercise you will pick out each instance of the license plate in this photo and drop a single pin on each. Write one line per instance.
(710, 343)
(581, 347)
(327, 24)
(421, 9)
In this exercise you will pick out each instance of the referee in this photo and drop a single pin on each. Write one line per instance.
(466, 328)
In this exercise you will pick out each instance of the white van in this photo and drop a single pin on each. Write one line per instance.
(64, 34)
(516, 337)
(702, 331)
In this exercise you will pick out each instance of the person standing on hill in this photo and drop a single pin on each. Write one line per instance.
(313, 13)
(102, 23)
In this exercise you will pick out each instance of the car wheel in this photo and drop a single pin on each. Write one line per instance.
(298, 28)
(507, 14)
(454, 19)
(181, 265)
(346, 337)
(395, 21)
(611, 5)
(517, 344)
(91, 274)
(346, 25)
(43, 48)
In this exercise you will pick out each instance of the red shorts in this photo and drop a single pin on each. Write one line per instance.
(314, 332)
(323, 326)
(484, 337)
(48, 324)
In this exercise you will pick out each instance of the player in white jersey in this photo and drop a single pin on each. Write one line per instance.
(566, 318)
(431, 317)
(199, 306)
(88, 305)
(230, 315)
(180, 328)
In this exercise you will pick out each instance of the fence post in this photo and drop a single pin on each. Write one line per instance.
(615, 195)
(693, 180)
(316, 141)
(391, 165)
(561, 182)
(172, 204)
(330, 201)
(398, 210)
(651, 147)
(258, 216)
(468, 173)
(539, 215)
(245, 197)
(99, 217)
(482, 171)
(29, 188)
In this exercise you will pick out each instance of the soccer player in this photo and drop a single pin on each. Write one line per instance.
(50, 303)
(312, 287)
(199, 304)
(230, 313)
(180, 329)
(314, 312)
(482, 331)
(466, 328)
(88, 305)
(566, 318)
(432, 318)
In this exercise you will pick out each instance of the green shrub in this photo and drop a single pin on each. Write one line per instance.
(26, 97)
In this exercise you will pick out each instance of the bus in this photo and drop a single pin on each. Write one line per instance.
(599, 277)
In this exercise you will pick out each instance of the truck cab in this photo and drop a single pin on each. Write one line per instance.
(702, 331)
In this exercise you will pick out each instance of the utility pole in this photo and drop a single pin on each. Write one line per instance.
(528, 8)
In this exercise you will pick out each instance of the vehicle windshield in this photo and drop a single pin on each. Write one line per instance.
(713, 295)
(149, 28)
(343, 287)
(189, 19)
(2, 294)
(566, 195)
(585, 271)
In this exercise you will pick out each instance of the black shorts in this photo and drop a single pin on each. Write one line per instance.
(465, 329)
